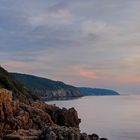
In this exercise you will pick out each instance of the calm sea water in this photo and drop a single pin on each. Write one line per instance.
(114, 117)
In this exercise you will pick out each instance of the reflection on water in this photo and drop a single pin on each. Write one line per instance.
(114, 117)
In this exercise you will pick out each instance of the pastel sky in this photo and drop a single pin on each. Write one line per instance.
(93, 43)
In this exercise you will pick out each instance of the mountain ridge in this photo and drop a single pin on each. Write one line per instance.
(53, 90)
(46, 88)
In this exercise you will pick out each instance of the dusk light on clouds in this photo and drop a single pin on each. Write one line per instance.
(93, 43)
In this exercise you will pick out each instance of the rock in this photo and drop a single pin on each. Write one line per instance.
(15, 115)
(84, 136)
(50, 136)
(36, 115)
(103, 139)
(23, 135)
(5, 103)
(60, 133)
(38, 121)
(62, 117)
(5, 107)
(94, 137)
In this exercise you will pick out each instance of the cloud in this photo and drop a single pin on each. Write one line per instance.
(81, 42)
(94, 27)
(61, 16)
(85, 72)
(88, 74)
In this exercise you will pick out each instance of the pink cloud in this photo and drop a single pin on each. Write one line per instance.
(84, 71)
(88, 74)
(129, 79)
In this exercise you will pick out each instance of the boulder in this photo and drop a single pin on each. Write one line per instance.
(60, 133)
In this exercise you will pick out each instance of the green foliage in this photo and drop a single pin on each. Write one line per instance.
(96, 91)
(41, 83)
(8, 82)
(43, 86)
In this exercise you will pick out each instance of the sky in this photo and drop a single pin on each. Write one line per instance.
(94, 43)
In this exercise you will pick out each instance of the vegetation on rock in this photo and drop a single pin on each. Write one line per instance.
(19, 92)
(96, 91)
(47, 88)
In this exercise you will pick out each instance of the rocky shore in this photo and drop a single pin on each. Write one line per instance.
(38, 121)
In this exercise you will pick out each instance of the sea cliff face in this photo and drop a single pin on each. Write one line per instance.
(60, 94)
(46, 88)
(38, 121)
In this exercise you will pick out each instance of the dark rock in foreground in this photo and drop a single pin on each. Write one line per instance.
(38, 121)
(51, 133)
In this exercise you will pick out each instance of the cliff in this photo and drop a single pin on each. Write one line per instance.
(38, 115)
(47, 88)
(51, 90)
(38, 121)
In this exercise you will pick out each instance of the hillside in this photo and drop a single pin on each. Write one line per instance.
(47, 88)
(96, 91)
(19, 92)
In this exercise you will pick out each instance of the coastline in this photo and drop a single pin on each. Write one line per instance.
(45, 99)
(38, 121)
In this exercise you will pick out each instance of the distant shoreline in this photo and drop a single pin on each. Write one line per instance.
(71, 98)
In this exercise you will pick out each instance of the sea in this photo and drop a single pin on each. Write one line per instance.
(113, 117)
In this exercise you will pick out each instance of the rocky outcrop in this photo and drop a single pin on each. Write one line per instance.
(60, 133)
(66, 133)
(51, 133)
(16, 115)
(37, 121)
(62, 117)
